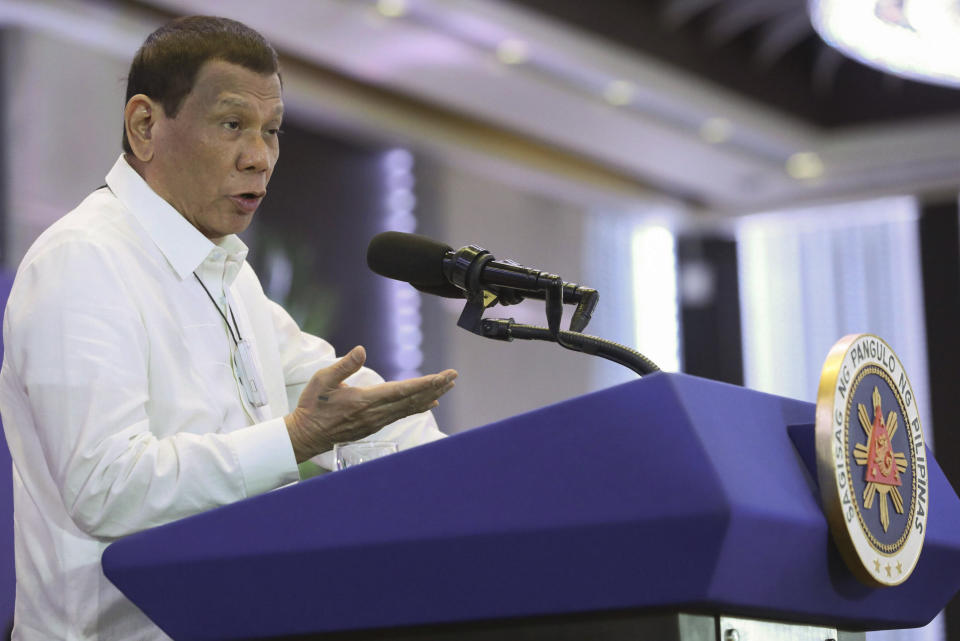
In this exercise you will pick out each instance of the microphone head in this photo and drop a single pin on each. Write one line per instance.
(412, 258)
(447, 290)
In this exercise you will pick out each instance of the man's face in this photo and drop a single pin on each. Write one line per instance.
(214, 160)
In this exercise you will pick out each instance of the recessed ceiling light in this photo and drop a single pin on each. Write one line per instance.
(392, 8)
(805, 165)
(512, 51)
(619, 92)
(716, 130)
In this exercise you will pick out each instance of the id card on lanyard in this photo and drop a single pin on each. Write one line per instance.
(249, 374)
(244, 363)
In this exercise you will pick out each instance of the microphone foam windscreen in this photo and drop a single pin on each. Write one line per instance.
(447, 290)
(408, 257)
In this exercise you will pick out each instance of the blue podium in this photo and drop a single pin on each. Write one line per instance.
(667, 494)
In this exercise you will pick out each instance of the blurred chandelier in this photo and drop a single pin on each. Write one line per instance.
(916, 39)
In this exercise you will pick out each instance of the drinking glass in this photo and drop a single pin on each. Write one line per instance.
(356, 452)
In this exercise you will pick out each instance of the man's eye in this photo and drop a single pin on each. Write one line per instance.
(233, 125)
(276, 131)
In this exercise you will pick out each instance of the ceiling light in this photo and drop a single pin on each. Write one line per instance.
(916, 39)
(804, 165)
(619, 93)
(392, 8)
(716, 130)
(512, 51)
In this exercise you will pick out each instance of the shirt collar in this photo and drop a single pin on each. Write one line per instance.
(184, 247)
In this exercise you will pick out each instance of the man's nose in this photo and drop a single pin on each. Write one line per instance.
(255, 155)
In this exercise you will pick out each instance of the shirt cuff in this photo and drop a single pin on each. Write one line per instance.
(266, 456)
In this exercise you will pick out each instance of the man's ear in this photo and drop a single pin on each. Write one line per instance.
(140, 117)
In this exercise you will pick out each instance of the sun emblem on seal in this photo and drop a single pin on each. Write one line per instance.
(884, 466)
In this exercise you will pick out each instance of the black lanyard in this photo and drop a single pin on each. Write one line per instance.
(236, 339)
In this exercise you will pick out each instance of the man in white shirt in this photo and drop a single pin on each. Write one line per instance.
(146, 375)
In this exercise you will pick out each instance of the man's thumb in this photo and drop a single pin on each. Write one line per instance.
(350, 364)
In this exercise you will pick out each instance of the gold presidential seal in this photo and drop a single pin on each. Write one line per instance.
(871, 460)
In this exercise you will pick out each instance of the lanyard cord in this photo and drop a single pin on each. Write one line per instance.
(236, 339)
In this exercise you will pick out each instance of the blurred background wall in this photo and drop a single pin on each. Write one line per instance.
(740, 194)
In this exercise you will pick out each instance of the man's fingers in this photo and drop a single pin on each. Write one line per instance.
(449, 375)
(413, 396)
(434, 385)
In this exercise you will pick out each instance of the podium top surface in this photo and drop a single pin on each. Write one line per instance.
(671, 492)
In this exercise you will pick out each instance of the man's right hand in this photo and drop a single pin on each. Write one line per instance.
(330, 411)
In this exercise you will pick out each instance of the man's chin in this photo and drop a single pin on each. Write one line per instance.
(234, 223)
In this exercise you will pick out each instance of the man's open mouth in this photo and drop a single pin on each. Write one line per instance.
(247, 201)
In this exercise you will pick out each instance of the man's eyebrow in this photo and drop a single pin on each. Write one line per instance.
(240, 103)
(229, 101)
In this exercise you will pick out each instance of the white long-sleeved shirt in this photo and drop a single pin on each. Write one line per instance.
(120, 402)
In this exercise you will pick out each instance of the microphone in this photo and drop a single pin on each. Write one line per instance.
(471, 271)
(414, 259)
(436, 268)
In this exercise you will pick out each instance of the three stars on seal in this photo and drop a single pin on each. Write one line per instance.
(883, 465)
